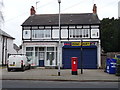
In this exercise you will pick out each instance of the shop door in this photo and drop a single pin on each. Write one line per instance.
(89, 57)
(41, 59)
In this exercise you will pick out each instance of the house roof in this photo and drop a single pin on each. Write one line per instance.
(5, 34)
(66, 19)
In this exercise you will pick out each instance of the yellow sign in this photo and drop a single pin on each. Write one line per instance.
(75, 44)
(85, 43)
(79, 43)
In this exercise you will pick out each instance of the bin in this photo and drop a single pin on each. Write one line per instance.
(111, 66)
(107, 65)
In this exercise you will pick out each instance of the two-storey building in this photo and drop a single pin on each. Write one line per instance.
(6, 47)
(40, 35)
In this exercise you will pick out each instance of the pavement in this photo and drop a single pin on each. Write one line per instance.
(52, 75)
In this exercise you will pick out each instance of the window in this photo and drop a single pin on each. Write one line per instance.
(94, 33)
(78, 33)
(29, 48)
(26, 34)
(50, 48)
(41, 34)
(64, 33)
(85, 33)
(55, 33)
(29, 53)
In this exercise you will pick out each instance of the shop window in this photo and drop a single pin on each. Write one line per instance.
(29, 48)
(29, 54)
(50, 48)
(41, 48)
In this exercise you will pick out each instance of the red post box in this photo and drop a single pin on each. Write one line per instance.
(74, 64)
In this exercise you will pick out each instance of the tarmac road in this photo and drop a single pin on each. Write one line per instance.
(56, 84)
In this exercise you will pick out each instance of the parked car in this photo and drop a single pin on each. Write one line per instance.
(18, 61)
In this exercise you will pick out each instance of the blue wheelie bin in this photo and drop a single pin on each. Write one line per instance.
(112, 66)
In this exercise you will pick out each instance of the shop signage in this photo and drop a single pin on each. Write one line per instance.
(79, 43)
(42, 43)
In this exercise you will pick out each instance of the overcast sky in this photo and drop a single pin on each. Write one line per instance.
(17, 11)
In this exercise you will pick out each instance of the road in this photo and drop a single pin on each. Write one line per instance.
(56, 84)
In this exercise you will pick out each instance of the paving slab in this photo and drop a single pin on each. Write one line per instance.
(52, 74)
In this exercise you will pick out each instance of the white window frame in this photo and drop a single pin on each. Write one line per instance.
(42, 35)
(28, 35)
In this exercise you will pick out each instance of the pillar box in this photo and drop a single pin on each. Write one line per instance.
(74, 65)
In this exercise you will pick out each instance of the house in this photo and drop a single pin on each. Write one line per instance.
(119, 9)
(6, 46)
(40, 35)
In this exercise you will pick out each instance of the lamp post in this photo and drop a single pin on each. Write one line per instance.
(59, 1)
(81, 56)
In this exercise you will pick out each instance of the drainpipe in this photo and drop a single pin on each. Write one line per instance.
(3, 51)
(6, 52)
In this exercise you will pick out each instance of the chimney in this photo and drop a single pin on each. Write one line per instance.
(32, 11)
(94, 9)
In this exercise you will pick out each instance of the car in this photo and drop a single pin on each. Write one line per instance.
(18, 61)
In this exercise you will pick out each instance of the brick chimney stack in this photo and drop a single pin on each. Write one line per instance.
(32, 11)
(94, 9)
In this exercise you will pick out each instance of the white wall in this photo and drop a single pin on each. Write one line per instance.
(10, 48)
(119, 9)
(0, 49)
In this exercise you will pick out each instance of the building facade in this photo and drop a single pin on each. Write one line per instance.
(6, 46)
(119, 9)
(40, 35)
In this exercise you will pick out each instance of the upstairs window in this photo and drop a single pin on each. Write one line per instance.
(78, 33)
(26, 34)
(41, 34)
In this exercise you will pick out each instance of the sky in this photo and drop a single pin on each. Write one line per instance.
(15, 12)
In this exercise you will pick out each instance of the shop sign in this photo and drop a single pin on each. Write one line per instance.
(79, 43)
(43, 43)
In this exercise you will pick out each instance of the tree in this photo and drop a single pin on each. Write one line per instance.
(110, 34)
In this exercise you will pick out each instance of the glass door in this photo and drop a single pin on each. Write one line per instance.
(50, 57)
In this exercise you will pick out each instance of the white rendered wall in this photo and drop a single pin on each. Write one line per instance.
(0, 49)
(119, 9)
(10, 48)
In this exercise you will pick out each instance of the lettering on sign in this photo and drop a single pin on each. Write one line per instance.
(86, 44)
(75, 43)
(79, 43)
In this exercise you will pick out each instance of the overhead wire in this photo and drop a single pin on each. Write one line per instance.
(28, 12)
(76, 4)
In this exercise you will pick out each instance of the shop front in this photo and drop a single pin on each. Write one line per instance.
(73, 49)
(42, 54)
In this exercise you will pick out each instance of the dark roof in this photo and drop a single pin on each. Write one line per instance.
(66, 19)
(16, 47)
(5, 34)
